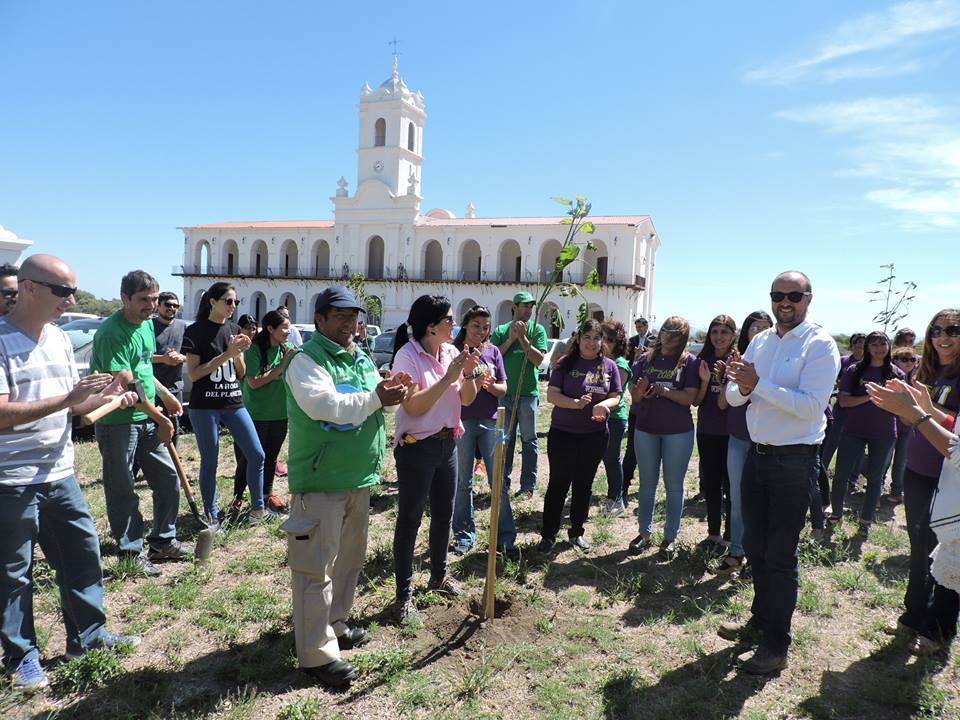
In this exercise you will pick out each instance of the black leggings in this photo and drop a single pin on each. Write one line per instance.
(629, 457)
(272, 433)
(574, 459)
(713, 476)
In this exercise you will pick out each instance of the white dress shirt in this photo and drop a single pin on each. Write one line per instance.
(797, 374)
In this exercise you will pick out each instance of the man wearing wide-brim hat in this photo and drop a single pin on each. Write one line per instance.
(337, 439)
(518, 340)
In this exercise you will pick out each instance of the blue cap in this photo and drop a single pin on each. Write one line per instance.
(339, 297)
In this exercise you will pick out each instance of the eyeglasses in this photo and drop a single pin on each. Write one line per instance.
(794, 297)
(9, 293)
(229, 301)
(61, 291)
(171, 305)
(447, 319)
(950, 331)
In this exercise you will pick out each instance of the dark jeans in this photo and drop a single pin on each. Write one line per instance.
(54, 515)
(899, 459)
(819, 497)
(611, 458)
(272, 433)
(629, 457)
(426, 470)
(849, 455)
(713, 476)
(930, 608)
(775, 496)
(574, 459)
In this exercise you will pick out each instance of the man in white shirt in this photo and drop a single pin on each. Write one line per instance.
(787, 373)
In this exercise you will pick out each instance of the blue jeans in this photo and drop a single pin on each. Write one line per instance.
(122, 447)
(674, 450)
(849, 453)
(737, 450)
(426, 471)
(526, 423)
(611, 458)
(775, 495)
(478, 434)
(55, 515)
(206, 428)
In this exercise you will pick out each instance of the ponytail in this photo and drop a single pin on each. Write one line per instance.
(400, 338)
(271, 321)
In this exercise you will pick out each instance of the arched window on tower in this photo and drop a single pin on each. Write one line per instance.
(380, 133)
(411, 138)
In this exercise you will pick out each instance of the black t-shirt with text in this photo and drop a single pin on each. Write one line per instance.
(220, 389)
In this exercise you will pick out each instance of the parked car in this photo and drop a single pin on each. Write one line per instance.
(544, 369)
(373, 331)
(694, 348)
(69, 317)
(383, 350)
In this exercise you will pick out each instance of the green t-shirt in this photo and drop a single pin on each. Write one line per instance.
(268, 402)
(621, 411)
(121, 345)
(513, 358)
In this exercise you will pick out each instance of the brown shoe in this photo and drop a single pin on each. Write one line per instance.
(445, 585)
(763, 662)
(745, 633)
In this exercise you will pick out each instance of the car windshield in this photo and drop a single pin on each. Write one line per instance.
(80, 337)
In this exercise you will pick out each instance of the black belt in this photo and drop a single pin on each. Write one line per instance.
(444, 434)
(785, 449)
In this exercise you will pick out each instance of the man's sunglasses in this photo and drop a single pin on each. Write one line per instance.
(950, 331)
(9, 293)
(61, 291)
(171, 305)
(794, 297)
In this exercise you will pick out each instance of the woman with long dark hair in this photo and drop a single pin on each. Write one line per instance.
(933, 619)
(584, 390)
(428, 424)
(865, 427)
(265, 398)
(665, 383)
(214, 348)
(712, 432)
(906, 359)
(615, 348)
(738, 444)
(479, 420)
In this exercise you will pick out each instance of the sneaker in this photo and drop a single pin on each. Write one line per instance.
(143, 567)
(640, 543)
(173, 550)
(730, 565)
(235, 506)
(580, 544)
(523, 494)
(258, 516)
(763, 662)
(281, 468)
(698, 497)
(545, 545)
(337, 675)
(863, 530)
(30, 677)
(744, 633)
(445, 585)
(613, 508)
(275, 504)
(894, 499)
(668, 550)
(478, 469)
(460, 549)
(352, 638)
(107, 641)
(833, 521)
(406, 611)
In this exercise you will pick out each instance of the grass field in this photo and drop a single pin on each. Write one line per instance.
(601, 635)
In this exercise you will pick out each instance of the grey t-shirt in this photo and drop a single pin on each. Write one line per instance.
(40, 451)
(169, 336)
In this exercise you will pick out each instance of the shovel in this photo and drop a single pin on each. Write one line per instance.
(205, 537)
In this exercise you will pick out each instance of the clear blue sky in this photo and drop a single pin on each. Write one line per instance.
(759, 136)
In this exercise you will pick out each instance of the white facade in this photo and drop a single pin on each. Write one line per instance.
(403, 254)
(12, 247)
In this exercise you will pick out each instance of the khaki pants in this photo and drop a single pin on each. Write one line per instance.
(327, 542)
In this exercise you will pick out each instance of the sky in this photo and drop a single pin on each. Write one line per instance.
(758, 136)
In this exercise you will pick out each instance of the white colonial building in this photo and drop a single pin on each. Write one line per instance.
(380, 231)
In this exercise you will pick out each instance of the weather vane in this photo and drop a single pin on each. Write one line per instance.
(396, 45)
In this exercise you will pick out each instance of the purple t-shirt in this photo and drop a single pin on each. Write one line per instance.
(737, 421)
(867, 420)
(922, 457)
(586, 376)
(485, 405)
(711, 420)
(660, 416)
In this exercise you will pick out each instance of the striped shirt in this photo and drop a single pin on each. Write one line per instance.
(40, 451)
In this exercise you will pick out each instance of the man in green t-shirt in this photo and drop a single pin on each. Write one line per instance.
(125, 341)
(518, 340)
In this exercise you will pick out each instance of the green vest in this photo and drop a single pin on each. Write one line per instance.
(324, 459)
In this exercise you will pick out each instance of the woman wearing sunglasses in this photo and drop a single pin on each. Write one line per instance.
(479, 420)
(712, 433)
(865, 427)
(214, 347)
(933, 619)
(665, 383)
(906, 360)
(428, 425)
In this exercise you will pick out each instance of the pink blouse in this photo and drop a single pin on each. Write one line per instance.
(426, 371)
